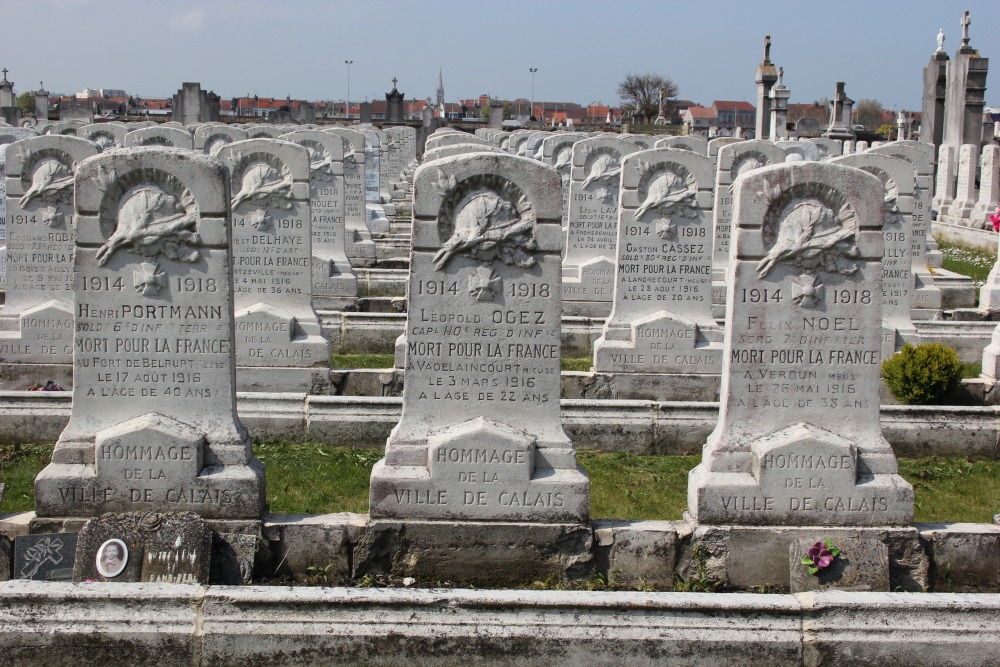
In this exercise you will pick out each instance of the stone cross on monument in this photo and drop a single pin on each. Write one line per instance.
(394, 80)
(966, 22)
(4, 73)
(767, 49)
(660, 118)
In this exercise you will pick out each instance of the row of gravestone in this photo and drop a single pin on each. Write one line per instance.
(289, 200)
(649, 230)
(154, 427)
(956, 197)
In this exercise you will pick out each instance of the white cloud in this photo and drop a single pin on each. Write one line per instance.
(189, 22)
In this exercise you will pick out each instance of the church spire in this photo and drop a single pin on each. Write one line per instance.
(440, 94)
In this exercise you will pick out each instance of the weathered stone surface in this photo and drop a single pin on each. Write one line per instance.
(693, 143)
(154, 349)
(45, 557)
(358, 241)
(210, 138)
(640, 554)
(965, 556)
(309, 547)
(863, 565)
(105, 135)
(799, 441)
(160, 135)
(479, 554)
(557, 152)
(482, 341)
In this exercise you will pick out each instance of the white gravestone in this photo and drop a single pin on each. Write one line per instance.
(798, 440)
(661, 317)
(733, 161)
(373, 151)
(105, 135)
(173, 137)
(210, 138)
(944, 183)
(515, 144)
(557, 152)
(358, 243)
(959, 212)
(898, 178)
(691, 142)
(480, 435)
(36, 322)
(989, 188)
(926, 295)
(277, 331)
(456, 149)
(153, 426)
(591, 235)
(828, 148)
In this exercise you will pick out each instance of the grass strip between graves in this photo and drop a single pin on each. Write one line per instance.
(971, 262)
(320, 479)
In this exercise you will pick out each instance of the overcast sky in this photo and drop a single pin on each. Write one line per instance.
(582, 49)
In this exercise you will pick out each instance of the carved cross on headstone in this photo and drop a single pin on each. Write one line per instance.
(394, 80)
(767, 49)
(966, 22)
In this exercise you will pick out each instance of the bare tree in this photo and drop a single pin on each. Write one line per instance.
(868, 113)
(640, 93)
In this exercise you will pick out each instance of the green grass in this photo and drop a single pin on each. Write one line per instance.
(320, 479)
(970, 262)
(576, 363)
(970, 370)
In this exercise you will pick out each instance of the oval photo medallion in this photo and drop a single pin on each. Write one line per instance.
(112, 558)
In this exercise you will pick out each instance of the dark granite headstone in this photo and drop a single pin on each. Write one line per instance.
(46, 557)
(174, 547)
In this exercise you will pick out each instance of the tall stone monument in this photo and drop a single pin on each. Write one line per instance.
(394, 105)
(798, 440)
(965, 94)
(779, 108)
(935, 88)
(153, 426)
(840, 115)
(480, 435)
(767, 77)
(36, 322)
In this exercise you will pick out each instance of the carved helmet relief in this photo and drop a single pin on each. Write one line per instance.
(151, 214)
(156, 140)
(320, 163)
(486, 218)
(104, 140)
(748, 161)
(811, 227)
(667, 189)
(47, 178)
(602, 165)
(264, 181)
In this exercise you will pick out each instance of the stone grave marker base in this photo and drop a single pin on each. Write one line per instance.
(18, 377)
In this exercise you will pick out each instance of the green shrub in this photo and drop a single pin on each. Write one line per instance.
(922, 374)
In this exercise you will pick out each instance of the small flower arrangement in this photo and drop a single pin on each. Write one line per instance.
(995, 219)
(48, 386)
(820, 556)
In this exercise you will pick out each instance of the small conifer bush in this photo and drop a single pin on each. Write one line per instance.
(922, 374)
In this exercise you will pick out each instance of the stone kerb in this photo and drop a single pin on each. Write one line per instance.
(733, 161)
(898, 281)
(36, 322)
(153, 346)
(174, 137)
(798, 440)
(691, 142)
(480, 435)
(591, 235)
(557, 152)
(273, 256)
(456, 149)
(661, 316)
(210, 138)
(925, 253)
(358, 241)
(334, 243)
(105, 135)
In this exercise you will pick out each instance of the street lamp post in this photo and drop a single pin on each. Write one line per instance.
(347, 110)
(531, 111)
